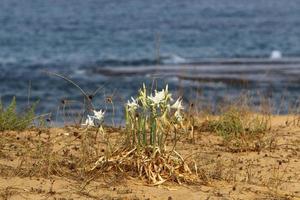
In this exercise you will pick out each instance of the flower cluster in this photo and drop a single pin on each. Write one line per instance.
(150, 116)
(96, 119)
(159, 103)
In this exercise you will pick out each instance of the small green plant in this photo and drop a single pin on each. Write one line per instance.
(235, 123)
(150, 118)
(11, 120)
(239, 127)
(230, 124)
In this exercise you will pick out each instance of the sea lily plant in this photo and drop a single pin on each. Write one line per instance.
(150, 117)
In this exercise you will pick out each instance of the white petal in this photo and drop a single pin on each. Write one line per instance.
(178, 104)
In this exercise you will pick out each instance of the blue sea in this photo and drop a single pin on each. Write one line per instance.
(206, 50)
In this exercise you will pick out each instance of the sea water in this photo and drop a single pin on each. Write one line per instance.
(221, 48)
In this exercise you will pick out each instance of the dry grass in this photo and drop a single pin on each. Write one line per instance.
(154, 167)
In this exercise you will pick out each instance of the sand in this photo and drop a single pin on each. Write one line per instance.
(272, 172)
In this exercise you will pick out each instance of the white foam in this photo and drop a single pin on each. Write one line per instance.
(79, 71)
(276, 55)
(173, 59)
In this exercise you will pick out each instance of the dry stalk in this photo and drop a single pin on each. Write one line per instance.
(152, 165)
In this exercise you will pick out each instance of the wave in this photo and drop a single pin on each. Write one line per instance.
(168, 65)
(236, 73)
(120, 62)
(166, 59)
(173, 59)
(177, 60)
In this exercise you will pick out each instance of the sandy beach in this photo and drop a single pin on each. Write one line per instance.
(268, 172)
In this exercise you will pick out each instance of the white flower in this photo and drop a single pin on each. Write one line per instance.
(178, 116)
(132, 106)
(89, 121)
(160, 96)
(96, 118)
(178, 104)
(99, 115)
